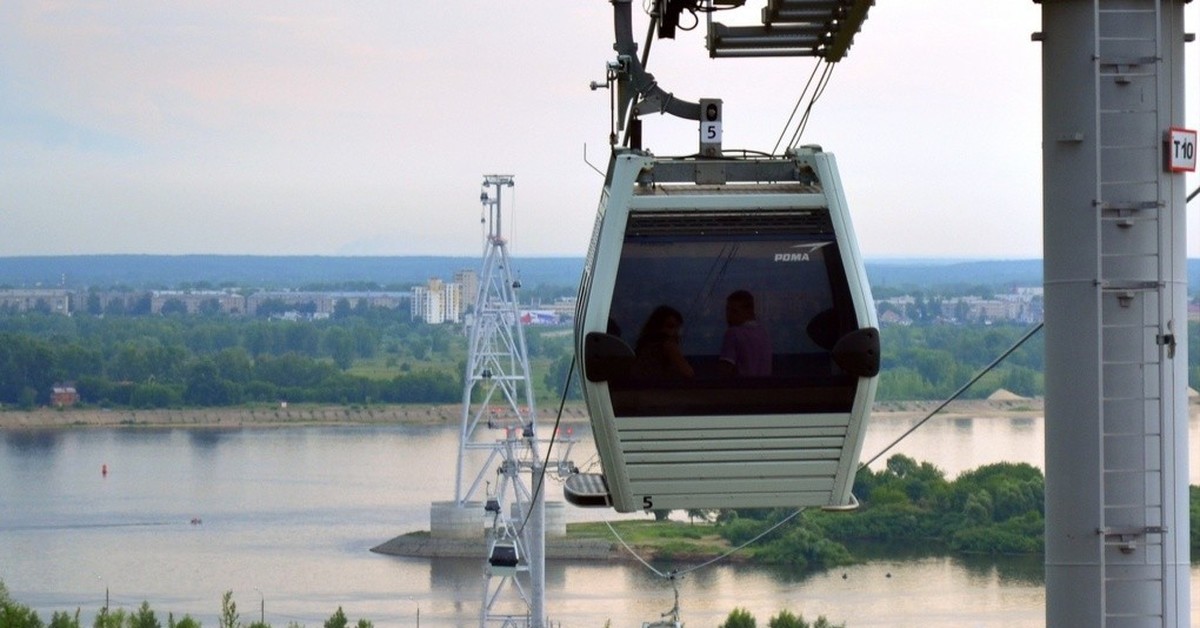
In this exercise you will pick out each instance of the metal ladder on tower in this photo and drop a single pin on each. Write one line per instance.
(1133, 304)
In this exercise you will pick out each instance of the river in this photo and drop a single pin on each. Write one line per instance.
(287, 517)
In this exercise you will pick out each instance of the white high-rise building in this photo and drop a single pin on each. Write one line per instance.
(468, 288)
(437, 302)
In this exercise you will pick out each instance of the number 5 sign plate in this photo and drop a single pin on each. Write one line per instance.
(1181, 150)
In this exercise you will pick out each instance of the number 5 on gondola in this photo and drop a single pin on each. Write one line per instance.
(727, 336)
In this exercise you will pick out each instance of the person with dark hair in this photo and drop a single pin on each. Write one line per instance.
(658, 352)
(746, 347)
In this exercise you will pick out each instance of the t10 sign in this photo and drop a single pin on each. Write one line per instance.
(1181, 150)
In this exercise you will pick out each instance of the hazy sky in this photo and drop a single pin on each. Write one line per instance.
(363, 128)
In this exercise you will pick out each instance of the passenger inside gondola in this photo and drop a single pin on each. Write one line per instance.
(658, 354)
(753, 308)
(746, 347)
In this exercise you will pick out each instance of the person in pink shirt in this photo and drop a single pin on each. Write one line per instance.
(746, 347)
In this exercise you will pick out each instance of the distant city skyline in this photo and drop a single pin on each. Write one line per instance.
(304, 128)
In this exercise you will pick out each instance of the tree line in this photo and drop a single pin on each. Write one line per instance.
(925, 362)
(171, 361)
(994, 509)
(158, 361)
(16, 615)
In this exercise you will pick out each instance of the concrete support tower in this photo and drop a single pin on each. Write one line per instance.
(1116, 289)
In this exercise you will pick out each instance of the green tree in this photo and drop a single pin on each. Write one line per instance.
(73, 361)
(62, 619)
(26, 364)
(13, 615)
(366, 341)
(143, 617)
(301, 338)
(186, 622)
(234, 364)
(787, 619)
(337, 620)
(1022, 380)
(205, 387)
(110, 618)
(978, 508)
(209, 307)
(129, 363)
(28, 398)
(140, 305)
(229, 614)
(339, 344)
(154, 395)
(556, 378)
(804, 547)
(739, 618)
(173, 306)
(93, 303)
(115, 307)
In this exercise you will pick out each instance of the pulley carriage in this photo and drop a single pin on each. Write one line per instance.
(695, 400)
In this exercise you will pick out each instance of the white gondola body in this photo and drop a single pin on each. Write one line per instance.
(708, 439)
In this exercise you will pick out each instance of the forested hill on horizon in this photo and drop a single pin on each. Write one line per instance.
(281, 272)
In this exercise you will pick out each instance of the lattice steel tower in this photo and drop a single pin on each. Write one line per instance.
(498, 400)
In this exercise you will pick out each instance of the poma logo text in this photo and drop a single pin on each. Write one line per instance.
(800, 252)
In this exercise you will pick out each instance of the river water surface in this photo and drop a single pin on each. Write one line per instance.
(289, 514)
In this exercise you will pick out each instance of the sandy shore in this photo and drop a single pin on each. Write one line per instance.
(449, 414)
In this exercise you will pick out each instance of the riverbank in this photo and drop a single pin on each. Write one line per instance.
(422, 545)
(261, 416)
(412, 414)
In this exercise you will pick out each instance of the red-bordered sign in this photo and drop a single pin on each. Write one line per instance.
(1181, 150)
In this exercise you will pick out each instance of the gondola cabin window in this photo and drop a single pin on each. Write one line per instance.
(731, 313)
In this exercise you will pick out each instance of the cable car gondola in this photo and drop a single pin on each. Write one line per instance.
(503, 558)
(726, 333)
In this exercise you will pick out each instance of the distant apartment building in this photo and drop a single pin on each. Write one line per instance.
(323, 304)
(468, 288)
(437, 302)
(49, 300)
(197, 302)
(1022, 305)
(386, 300)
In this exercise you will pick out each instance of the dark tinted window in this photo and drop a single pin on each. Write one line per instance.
(685, 266)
